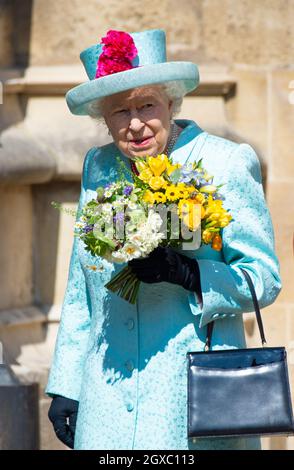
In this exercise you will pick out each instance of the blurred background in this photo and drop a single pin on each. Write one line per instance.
(245, 51)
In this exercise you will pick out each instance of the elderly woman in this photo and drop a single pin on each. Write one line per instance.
(118, 378)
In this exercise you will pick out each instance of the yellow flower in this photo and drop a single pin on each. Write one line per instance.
(200, 197)
(183, 190)
(170, 167)
(192, 220)
(207, 176)
(216, 215)
(191, 188)
(213, 216)
(157, 182)
(190, 212)
(208, 188)
(171, 193)
(183, 193)
(207, 236)
(203, 212)
(141, 166)
(186, 205)
(145, 175)
(183, 206)
(148, 196)
(225, 220)
(157, 164)
(159, 197)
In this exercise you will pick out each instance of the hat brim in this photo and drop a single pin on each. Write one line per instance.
(79, 97)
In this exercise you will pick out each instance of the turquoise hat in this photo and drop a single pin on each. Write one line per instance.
(148, 67)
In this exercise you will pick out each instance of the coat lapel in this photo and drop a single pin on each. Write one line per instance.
(188, 142)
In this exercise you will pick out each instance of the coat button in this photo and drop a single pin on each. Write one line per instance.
(130, 406)
(129, 365)
(130, 324)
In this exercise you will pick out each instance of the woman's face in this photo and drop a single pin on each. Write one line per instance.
(138, 120)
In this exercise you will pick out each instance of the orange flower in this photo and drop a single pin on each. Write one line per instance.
(217, 242)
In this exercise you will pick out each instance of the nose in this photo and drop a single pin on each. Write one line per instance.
(135, 123)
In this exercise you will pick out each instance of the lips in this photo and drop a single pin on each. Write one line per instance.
(141, 142)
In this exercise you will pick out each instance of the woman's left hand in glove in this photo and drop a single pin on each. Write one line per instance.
(165, 264)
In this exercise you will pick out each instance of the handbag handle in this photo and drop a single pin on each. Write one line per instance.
(257, 313)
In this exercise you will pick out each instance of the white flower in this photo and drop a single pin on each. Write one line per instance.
(136, 238)
(106, 208)
(154, 220)
(131, 250)
(79, 225)
(118, 204)
(118, 257)
(132, 205)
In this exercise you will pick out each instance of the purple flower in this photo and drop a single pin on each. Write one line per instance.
(204, 182)
(119, 217)
(188, 174)
(88, 228)
(127, 190)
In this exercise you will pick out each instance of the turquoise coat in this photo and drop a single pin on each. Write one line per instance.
(126, 364)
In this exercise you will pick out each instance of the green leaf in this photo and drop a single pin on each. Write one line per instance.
(199, 163)
(92, 203)
(122, 169)
(106, 240)
(175, 175)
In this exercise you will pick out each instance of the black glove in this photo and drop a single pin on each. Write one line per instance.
(60, 409)
(165, 264)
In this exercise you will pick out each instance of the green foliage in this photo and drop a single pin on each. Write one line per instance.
(199, 163)
(175, 175)
(105, 240)
(95, 246)
(122, 169)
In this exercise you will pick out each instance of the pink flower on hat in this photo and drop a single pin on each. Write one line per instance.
(119, 44)
(107, 66)
(117, 53)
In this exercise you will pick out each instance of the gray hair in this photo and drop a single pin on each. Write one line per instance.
(174, 90)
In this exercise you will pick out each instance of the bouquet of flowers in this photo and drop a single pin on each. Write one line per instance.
(129, 220)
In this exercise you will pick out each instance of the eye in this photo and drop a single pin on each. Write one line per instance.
(146, 106)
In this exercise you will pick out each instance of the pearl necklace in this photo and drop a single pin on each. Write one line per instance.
(173, 136)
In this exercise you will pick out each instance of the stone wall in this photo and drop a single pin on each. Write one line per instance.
(244, 49)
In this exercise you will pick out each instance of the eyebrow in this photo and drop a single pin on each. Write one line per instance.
(119, 105)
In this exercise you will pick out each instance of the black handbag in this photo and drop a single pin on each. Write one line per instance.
(239, 392)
